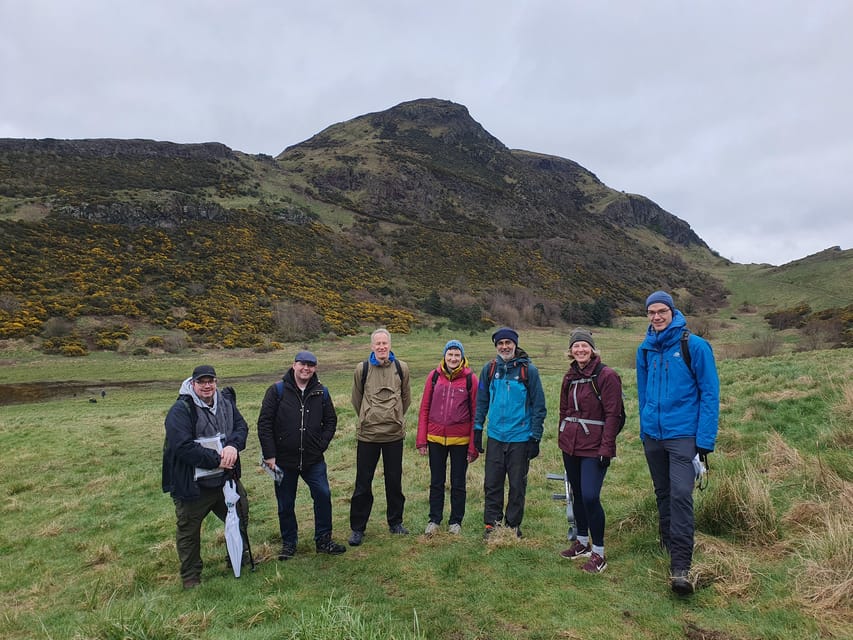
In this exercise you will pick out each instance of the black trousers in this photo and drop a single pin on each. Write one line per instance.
(671, 467)
(505, 460)
(438, 454)
(586, 477)
(367, 457)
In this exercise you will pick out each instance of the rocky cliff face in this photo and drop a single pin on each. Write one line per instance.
(638, 211)
(164, 215)
(113, 148)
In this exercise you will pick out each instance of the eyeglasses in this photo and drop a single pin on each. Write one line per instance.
(206, 383)
(660, 313)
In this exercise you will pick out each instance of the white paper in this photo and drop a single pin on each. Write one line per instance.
(212, 442)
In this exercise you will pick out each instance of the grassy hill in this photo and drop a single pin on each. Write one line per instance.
(88, 539)
(413, 216)
(821, 280)
(371, 221)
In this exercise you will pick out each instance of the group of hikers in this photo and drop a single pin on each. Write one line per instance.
(678, 391)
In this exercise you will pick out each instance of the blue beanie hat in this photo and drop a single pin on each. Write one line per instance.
(661, 297)
(455, 344)
(505, 333)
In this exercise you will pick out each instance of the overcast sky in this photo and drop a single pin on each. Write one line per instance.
(735, 116)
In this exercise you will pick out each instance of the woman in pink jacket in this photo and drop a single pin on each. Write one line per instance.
(446, 428)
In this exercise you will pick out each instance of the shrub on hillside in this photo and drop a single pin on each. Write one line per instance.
(762, 345)
(295, 321)
(106, 344)
(67, 346)
(57, 327)
(73, 350)
(268, 346)
(791, 318)
(701, 327)
(598, 313)
(174, 343)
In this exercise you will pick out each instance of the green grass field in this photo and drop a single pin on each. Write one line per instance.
(87, 538)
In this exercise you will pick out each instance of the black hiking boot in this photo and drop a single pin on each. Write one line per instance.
(329, 546)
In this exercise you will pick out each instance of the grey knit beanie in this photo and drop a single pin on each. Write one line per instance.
(581, 335)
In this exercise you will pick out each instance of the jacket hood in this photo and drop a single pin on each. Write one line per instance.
(462, 369)
(668, 336)
(520, 356)
(187, 390)
(375, 362)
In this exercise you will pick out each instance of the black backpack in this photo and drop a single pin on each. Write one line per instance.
(593, 381)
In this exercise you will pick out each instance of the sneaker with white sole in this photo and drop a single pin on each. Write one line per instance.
(577, 550)
(595, 564)
(431, 529)
(455, 529)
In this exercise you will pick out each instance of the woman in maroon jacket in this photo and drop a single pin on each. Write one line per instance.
(446, 428)
(590, 410)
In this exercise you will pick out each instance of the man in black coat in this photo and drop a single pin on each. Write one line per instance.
(204, 434)
(295, 426)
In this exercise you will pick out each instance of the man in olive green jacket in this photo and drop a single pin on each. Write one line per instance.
(380, 396)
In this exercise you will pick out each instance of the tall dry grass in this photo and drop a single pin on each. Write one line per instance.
(740, 505)
(825, 578)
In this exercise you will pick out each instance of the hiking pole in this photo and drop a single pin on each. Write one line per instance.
(572, 533)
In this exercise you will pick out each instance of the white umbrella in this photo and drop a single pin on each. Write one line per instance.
(233, 538)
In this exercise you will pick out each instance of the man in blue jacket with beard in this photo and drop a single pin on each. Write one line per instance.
(679, 395)
(510, 393)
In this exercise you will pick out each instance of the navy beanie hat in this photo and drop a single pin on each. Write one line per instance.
(455, 344)
(660, 297)
(505, 333)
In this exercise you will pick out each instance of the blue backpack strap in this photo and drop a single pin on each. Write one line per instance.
(279, 389)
